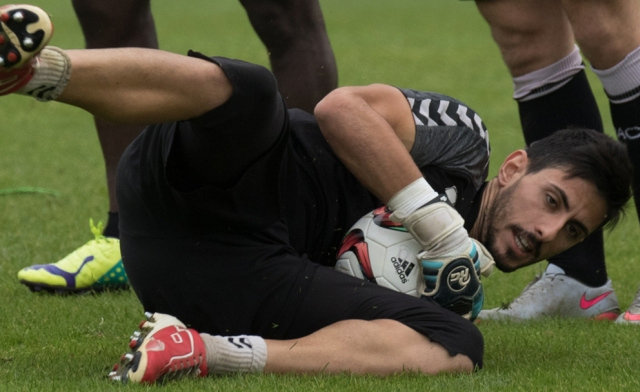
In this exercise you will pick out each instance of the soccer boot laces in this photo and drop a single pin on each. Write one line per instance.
(24, 31)
(162, 350)
(556, 294)
(95, 266)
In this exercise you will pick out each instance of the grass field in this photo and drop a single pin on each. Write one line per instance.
(55, 343)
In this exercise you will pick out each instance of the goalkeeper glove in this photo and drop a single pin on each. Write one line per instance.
(451, 261)
(454, 282)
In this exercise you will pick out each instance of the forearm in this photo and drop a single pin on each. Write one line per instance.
(135, 85)
(366, 142)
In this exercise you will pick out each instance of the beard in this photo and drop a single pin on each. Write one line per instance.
(499, 211)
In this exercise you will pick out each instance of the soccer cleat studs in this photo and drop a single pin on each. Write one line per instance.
(27, 43)
(136, 340)
(24, 31)
(18, 17)
(164, 349)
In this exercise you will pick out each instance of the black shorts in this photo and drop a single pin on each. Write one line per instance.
(240, 284)
(185, 256)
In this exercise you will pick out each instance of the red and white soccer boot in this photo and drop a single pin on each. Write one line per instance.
(24, 31)
(164, 349)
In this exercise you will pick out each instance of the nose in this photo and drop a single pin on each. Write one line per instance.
(549, 227)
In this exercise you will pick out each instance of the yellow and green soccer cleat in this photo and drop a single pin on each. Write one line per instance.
(95, 266)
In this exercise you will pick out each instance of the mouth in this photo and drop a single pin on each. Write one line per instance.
(525, 243)
(523, 250)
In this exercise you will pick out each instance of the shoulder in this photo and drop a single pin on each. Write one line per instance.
(434, 109)
(449, 135)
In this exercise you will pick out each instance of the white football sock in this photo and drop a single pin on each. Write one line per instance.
(52, 70)
(622, 80)
(233, 354)
(546, 80)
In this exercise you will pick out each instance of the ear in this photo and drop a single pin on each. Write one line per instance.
(513, 167)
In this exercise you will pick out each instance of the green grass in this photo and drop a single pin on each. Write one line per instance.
(56, 343)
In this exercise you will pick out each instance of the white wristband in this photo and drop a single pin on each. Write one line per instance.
(410, 198)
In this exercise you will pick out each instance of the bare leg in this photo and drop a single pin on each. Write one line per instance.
(608, 45)
(117, 23)
(379, 347)
(143, 85)
(300, 53)
(105, 24)
(606, 31)
(534, 35)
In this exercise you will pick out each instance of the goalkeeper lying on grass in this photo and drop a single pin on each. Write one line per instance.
(232, 207)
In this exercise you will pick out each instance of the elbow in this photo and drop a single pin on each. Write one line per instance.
(327, 105)
(332, 109)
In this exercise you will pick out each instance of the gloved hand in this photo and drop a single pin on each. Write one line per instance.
(451, 261)
(454, 282)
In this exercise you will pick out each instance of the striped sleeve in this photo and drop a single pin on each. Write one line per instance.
(449, 135)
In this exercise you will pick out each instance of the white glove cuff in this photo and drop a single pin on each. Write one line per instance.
(410, 198)
(439, 228)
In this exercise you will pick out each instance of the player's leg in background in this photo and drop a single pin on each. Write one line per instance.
(116, 23)
(301, 57)
(550, 85)
(612, 47)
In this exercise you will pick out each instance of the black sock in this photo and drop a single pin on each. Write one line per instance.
(571, 105)
(585, 261)
(626, 119)
(111, 229)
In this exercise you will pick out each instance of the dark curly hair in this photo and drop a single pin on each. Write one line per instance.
(592, 156)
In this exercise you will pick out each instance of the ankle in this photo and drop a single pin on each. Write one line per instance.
(51, 73)
(233, 354)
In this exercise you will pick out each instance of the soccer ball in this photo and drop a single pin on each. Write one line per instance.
(383, 252)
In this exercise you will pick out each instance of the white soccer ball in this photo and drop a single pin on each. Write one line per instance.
(383, 252)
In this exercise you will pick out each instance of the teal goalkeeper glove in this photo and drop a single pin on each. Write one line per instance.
(455, 283)
(451, 261)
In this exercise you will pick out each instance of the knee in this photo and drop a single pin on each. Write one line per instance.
(255, 78)
(528, 49)
(462, 349)
(474, 348)
(605, 30)
(285, 24)
(530, 36)
(460, 343)
(116, 23)
(463, 341)
(607, 43)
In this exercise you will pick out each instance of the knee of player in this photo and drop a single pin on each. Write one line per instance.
(446, 345)
(465, 345)
(255, 78)
(285, 25)
(474, 348)
(604, 47)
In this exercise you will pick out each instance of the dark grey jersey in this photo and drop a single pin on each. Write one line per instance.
(451, 147)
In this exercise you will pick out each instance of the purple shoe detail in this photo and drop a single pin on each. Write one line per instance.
(70, 278)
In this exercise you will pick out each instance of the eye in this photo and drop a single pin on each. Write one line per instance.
(573, 231)
(551, 201)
